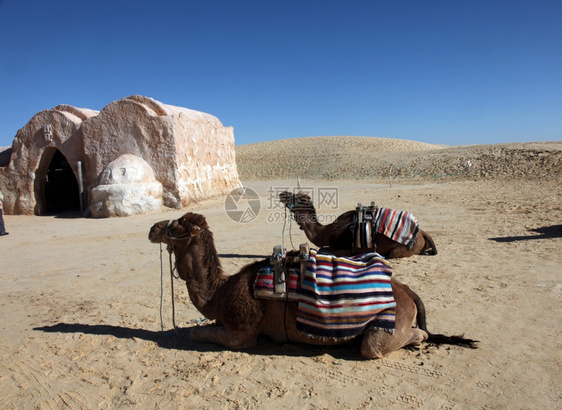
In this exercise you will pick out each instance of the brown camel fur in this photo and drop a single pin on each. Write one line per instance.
(338, 235)
(241, 318)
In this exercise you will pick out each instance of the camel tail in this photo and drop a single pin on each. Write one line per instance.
(429, 248)
(458, 340)
(436, 338)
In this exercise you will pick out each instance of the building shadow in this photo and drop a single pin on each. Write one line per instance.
(67, 215)
(545, 232)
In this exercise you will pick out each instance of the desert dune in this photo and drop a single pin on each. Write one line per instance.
(81, 297)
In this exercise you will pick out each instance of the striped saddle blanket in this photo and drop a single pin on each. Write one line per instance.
(400, 226)
(340, 296)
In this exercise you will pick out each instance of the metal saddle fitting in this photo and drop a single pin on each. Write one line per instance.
(278, 259)
(304, 251)
(362, 229)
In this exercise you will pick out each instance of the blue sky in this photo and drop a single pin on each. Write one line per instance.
(444, 72)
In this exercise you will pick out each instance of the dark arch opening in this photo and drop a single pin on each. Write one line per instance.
(61, 188)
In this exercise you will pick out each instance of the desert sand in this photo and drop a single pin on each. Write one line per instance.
(80, 297)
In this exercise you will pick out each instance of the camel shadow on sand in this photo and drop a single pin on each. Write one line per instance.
(242, 256)
(545, 232)
(168, 339)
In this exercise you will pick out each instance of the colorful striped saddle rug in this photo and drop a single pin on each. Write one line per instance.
(340, 296)
(400, 226)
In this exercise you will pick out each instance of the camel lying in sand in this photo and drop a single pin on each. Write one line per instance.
(338, 235)
(241, 318)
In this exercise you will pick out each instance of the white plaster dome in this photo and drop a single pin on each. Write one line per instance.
(127, 186)
(127, 169)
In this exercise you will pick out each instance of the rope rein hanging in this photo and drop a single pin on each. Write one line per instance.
(283, 229)
(161, 287)
(286, 301)
(172, 266)
(176, 329)
(172, 276)
(171, 247)
(288, 260)
(292, 217)
(289, 217)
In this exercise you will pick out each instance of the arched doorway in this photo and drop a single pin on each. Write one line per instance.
(61, 187)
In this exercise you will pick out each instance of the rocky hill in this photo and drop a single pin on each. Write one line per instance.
(383, 158)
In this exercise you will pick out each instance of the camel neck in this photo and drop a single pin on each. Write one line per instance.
(314, 230)
(200, 267)
(306, 216)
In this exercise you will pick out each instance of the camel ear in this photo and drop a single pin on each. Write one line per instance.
(196, 230)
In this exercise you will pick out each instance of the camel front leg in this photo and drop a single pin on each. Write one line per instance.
(402, 251)
(221, 336)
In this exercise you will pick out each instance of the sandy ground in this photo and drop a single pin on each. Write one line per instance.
(81, 327)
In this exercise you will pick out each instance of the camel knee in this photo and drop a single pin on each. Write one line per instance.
(376, 344)
(379, 343)
(200, 334)
(370, 351)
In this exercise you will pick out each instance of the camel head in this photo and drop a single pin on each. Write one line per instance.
(296, 202)
(178, 231)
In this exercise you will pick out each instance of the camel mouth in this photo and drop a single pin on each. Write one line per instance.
(153, 235)
(285, 198)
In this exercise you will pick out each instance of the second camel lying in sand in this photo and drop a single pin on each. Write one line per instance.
(339, 237)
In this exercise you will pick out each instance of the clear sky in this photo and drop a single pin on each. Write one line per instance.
(445, 72)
